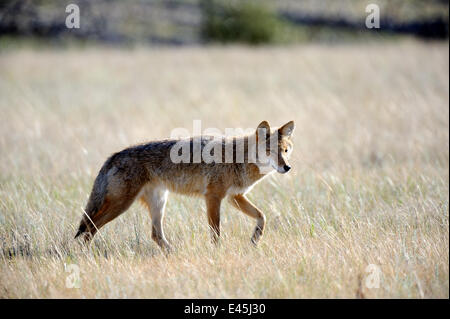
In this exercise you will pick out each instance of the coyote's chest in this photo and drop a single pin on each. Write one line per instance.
(246, 184)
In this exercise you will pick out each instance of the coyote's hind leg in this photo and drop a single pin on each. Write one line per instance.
(155, 199)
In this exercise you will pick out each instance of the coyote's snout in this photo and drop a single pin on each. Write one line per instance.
(148, 172)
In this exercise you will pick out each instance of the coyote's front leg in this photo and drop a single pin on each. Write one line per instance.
(243, 204)
(213, 202)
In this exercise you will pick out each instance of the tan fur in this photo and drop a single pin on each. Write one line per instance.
(147, 171)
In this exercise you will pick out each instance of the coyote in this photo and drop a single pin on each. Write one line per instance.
(148, 172)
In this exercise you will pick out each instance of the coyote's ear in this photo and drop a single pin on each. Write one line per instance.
(263, 131)
(287, 129)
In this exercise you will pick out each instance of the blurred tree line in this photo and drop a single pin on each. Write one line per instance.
(177, 22)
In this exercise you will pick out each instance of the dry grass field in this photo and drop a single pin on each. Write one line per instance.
(369, 183)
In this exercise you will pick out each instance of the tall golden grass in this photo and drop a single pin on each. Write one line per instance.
(369, 183)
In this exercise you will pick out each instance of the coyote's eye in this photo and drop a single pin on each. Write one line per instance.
(285, 150)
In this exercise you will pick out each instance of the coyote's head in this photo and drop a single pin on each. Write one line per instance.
(277, 144)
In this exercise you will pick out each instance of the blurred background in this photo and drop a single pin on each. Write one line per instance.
(370, 168)
(194, 22)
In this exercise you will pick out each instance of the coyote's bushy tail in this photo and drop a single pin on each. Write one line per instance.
(95, 203)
